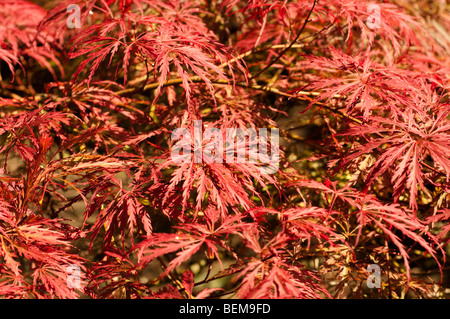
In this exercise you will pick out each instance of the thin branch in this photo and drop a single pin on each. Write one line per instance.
(197, 78)
(172, 277)
(290, 45)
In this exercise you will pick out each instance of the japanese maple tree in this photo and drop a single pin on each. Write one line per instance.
(93, 95)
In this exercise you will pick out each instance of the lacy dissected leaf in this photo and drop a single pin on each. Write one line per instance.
(116, 277)
(387, 217)
(441, 216)
(222, 166)
(19, 36)
(300, 224)
(125, 211)
(410, 138)
(369, 19)
(40, 242)
(157, 40)
(275, 279)
(210, 234)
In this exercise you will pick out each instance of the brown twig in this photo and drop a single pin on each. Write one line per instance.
(278, 57)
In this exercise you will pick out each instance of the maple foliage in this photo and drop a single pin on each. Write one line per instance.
(97, 99)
